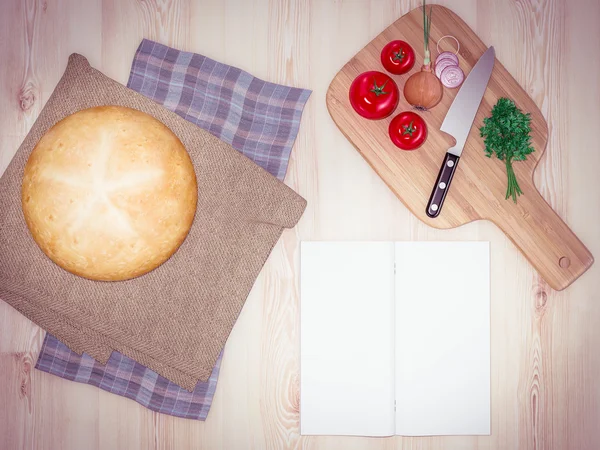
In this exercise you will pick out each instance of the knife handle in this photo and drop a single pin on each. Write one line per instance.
(442, 184)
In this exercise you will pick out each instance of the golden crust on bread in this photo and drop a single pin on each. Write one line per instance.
(109, 193)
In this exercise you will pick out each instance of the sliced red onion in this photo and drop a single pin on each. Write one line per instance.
(452, 77)
(454, 63)
(441, 65)
(447, 55)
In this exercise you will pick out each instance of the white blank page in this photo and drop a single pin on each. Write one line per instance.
(442, 338)
(346, 338)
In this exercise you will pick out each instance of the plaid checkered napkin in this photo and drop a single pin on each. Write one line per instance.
(257, 118)
(124, 376)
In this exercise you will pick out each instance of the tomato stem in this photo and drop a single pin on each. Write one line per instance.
(399, 56)
(409, 129)
(378, 90)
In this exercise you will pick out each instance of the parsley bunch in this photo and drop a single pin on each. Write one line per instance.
(507, 134)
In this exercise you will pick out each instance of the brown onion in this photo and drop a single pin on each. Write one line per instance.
(423, 89)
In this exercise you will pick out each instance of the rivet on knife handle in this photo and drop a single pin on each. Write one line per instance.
(442, 184)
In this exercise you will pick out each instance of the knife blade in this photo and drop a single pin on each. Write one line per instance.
(457, 123)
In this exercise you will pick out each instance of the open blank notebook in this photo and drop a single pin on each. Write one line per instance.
(395, 338)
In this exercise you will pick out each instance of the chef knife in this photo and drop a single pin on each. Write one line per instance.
(457, 123)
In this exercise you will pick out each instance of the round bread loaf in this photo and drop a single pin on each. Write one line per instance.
(109, 193)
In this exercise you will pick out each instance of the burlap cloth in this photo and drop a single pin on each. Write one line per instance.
(175, 319)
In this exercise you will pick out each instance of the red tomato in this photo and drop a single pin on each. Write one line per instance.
(398, 57)
(408, 130)
(374, 95)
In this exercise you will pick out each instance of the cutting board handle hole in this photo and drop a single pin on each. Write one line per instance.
(564, 262)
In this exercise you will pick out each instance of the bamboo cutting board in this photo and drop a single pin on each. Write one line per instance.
(479, 185)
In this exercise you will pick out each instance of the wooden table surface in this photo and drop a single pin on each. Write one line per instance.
(545, 344)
